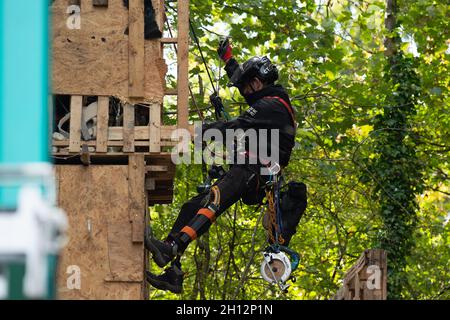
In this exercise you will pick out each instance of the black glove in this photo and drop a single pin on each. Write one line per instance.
(216, 102)
(225, 50)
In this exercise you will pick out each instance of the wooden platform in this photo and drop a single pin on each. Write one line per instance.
(367, 279)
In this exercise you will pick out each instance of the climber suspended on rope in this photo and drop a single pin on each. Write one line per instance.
(269, 108)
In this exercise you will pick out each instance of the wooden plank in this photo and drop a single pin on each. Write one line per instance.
(347, 292)
(102, 124)
(116, 134)
(110, 143)
(357, 288)
(171, 92)
(156, 168)
(128, 128)
(384, 275)
(136, 50)
(136, 195)
(155, 128)
(76, 105)
(169, 40)
(183, 64)
(142, 132)
(160, 12)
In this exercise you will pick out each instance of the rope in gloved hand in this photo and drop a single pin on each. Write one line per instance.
(216, 101)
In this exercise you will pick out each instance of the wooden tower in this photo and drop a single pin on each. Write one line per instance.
(112, 155)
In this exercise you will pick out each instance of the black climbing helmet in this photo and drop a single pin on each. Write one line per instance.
(259, 67)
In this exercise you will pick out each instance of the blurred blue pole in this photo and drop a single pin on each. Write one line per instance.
(24, 115)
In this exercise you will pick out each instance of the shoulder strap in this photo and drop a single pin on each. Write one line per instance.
(287, 106)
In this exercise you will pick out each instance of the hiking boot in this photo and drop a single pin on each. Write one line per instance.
(171, 279)
(162, 251)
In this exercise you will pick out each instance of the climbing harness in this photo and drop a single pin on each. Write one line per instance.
(279, 260)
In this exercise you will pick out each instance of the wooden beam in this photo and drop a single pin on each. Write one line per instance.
(169, 40)
(136, 52)
(102, 124)
(109, 143)
(156, 168)
(140, 133)
(155, 128)
(183, 64)
(136, 195)
(128, 128)
(171, 92)
(76, 105)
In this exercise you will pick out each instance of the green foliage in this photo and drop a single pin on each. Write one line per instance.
(396, 169)
(373, 146)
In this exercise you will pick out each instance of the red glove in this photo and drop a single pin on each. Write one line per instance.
(225, 50)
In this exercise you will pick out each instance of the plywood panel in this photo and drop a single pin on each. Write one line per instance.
(124, 261)
(95, 199)
(93, 60)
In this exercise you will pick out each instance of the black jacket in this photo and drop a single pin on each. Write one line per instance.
(265, 112)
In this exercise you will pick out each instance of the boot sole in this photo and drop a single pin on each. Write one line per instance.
(162, 285)
(156, 254)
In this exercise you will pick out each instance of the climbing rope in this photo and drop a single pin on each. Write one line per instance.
(197, 42)
(273, 211)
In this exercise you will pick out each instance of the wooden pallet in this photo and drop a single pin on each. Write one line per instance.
(361, 282)
(124, 139)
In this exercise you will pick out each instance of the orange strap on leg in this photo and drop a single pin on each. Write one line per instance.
(190, 232)
(208, 213)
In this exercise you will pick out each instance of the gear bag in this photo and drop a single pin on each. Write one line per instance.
(293, 204)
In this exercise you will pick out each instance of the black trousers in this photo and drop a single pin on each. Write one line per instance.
(240, 182)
